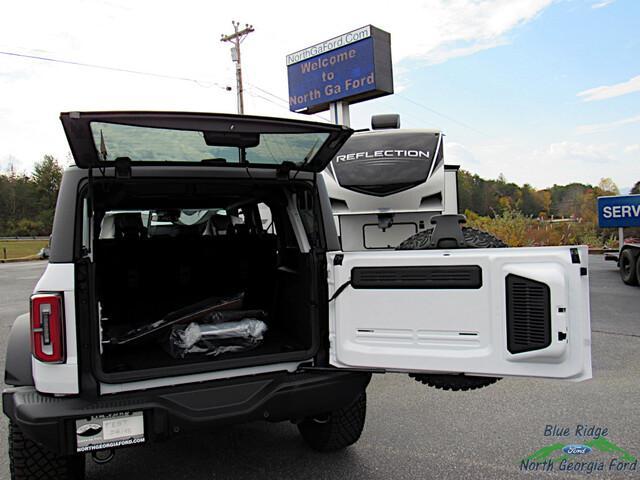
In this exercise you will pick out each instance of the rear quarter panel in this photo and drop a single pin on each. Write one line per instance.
(61, 378)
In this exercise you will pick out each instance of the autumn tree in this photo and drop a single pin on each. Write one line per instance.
(608, 186)
(588, 207)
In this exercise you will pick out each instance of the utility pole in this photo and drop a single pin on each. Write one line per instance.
(236, 38)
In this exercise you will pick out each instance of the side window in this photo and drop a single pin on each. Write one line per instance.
(86, 228)
(238, 218)
(107, 227)
(126, 224)
(308, 217)
(266, 218)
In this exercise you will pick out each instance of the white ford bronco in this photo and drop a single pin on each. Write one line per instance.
(169, 304)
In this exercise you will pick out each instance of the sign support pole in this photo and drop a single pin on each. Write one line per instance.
(620, 238)
(340, 113)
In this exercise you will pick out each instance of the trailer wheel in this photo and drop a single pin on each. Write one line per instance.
(638, 271)
(628, 267)
(474, 238)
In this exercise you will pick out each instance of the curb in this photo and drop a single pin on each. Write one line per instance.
(30, 258)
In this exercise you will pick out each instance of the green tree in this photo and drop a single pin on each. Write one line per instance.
(531, 204)
(47, 175)
(27, 203)
(636, 188)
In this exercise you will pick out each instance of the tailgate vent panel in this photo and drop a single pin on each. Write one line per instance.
(428, 277)
(528, 314)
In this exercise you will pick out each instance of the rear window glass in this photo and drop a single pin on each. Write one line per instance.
(145, 144)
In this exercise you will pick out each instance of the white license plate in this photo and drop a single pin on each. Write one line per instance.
(109, 431)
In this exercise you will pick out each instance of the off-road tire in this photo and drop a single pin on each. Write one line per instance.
(336, 430)
(629, 267)
(474, 238)
(30, 461)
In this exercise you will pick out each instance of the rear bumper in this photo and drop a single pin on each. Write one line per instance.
(171, 411)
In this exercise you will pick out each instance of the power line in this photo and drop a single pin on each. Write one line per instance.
(440, 114)
(396, 94)
(208, 84)
(255, 95)
(283, 100)
(200, 83)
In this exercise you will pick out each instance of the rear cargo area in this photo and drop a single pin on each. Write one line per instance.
(160, 275)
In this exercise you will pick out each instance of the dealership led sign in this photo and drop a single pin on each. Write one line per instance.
(354, 67)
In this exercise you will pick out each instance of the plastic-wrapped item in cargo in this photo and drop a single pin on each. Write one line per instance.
(225, 316)
(215, 339)
(197, 312)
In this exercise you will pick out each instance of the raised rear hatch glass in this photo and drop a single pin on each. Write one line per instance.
(98, 139)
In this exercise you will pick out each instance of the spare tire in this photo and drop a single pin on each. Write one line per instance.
(473, 238)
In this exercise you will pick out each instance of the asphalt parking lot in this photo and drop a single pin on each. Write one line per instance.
(412, 431)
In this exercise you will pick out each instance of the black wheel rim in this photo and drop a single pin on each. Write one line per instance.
(626, 266)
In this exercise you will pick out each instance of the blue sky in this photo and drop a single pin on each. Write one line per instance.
(542, 91)
(522, 97)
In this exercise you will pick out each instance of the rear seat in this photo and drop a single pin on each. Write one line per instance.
(167, 273)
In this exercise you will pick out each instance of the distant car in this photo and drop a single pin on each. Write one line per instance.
(196, 280)
(44, 251)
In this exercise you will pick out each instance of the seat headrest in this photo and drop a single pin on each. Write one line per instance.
(221, 223)
(128, 225)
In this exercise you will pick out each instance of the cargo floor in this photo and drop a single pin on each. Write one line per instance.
(153, 355)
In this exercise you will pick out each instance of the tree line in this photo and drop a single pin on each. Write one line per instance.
(27, 202)
(495, 197)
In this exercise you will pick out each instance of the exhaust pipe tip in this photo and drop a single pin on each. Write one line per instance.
(103, 456)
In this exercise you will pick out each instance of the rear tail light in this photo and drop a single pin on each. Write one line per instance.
(47, 327)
